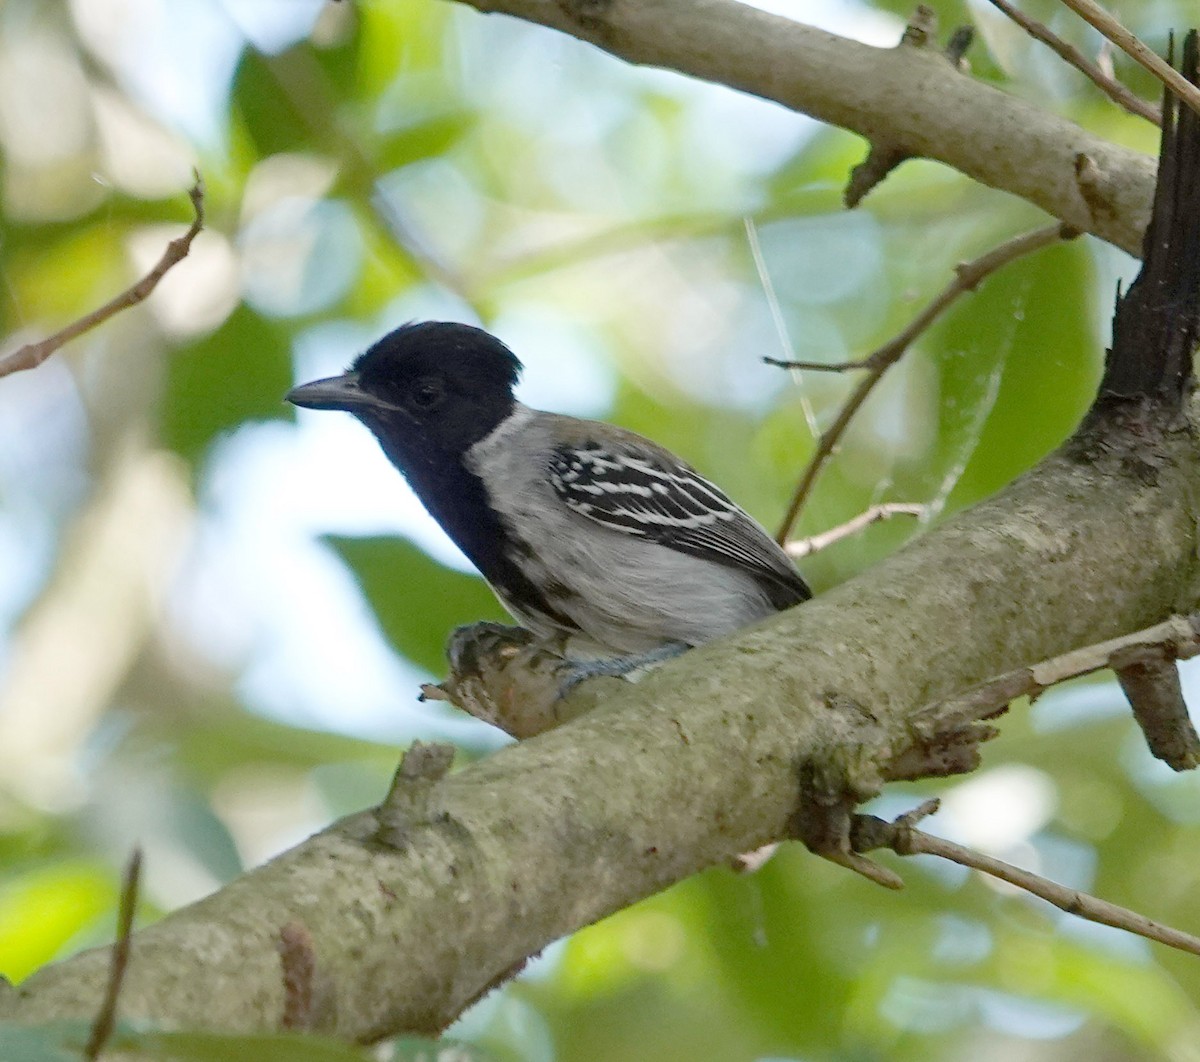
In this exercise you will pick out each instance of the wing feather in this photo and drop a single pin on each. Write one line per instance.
(652, 495)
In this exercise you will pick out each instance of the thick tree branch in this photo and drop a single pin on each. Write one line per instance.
(909, 98)
(551, 834)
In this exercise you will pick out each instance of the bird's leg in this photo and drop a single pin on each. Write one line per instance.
(574, 672)
(505, 676)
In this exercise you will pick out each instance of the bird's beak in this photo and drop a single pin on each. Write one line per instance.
(336, 392)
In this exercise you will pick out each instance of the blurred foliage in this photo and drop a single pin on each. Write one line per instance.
(63, 1041)
(435, 599)
(214, 614)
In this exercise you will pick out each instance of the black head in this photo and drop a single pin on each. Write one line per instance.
(428, 388)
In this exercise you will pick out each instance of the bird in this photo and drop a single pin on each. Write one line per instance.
(581, 528)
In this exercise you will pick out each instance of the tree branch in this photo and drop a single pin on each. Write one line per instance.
(33, 354)
(812, 710)
(908, 97)
(106, 1017)
(1110, 28)
(1168, 731)
(1157, 322)
(558, 831)
(806, 547)
(967, 277)
(1120, 94)
(903, 838)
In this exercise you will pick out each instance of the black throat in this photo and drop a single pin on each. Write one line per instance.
(457, 499)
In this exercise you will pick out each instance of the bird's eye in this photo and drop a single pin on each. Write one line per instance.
(426, 393)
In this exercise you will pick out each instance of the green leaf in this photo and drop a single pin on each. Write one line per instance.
(1048, 363)
(239, 372)
(218, 1047)
(44, 907)
(269, 116)
(417, 601)
(423, 139)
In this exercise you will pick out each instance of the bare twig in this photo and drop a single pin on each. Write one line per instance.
(805, 547)
(1131, 45)
(945, 735)
(1178, 637)
(1104, 81)
(967, 276)
(903, 838)
(298, 957)
(819, 366)
(106, 1018)
(33, 354)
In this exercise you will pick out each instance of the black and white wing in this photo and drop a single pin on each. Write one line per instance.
(653, 495)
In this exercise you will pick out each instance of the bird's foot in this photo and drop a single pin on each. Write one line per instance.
(573, 672)
(512, 679)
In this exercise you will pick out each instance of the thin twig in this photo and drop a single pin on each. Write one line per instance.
(1131, 45)
(805, 547)
(904, 838)
(819, 366)
(33, 354)
(967, 276)
(1179, 636)
(1120, 94)
(106, 1019)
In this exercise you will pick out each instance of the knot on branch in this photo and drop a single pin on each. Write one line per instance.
(869, 832)
(832, 785)
(1093, 189)
(921, 32)
(823, 822)
(411, 802)
(944, 738)
(880, 161)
